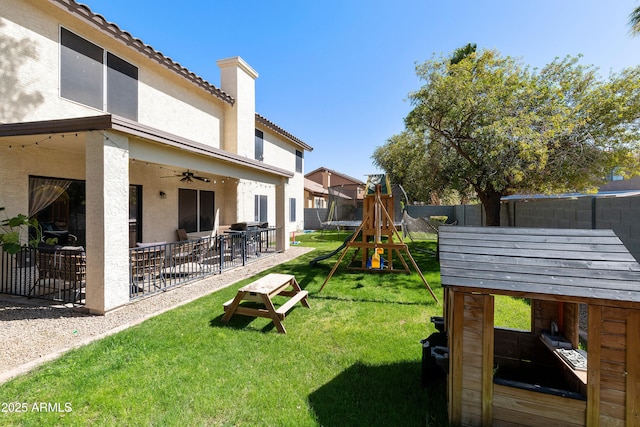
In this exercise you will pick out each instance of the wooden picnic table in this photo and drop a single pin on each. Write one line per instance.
(262, 291)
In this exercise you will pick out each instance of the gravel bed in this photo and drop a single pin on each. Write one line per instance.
(35, 331)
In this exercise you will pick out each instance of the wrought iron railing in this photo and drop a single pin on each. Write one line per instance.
(60, 274)
(56, 274)
(157, 268)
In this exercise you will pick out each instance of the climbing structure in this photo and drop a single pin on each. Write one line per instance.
(376, 239)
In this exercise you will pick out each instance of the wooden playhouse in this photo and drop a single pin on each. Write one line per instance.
(499, 376)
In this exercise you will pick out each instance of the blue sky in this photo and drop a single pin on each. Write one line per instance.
(336, 73)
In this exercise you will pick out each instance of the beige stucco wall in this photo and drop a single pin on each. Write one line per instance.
(278, 151)
(54, 157)
(30, 85)
(160, 216)
(166, 101)
(237, 78)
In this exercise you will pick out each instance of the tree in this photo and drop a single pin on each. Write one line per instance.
(405, 160)
(462, 52)
(634, 21)
(492, 124)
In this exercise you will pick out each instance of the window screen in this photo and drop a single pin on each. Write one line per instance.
(188, 210)
(83, 75)
(260, 213)
(298, 161)
(122, 88)
(81, 64)
(292, 210)
(259, 145)
(206, 210)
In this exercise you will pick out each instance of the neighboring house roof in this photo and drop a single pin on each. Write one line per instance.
(333, 172)
(120, 124)
(269, 124)
(315, 188)
(98, 21)
(559, 264)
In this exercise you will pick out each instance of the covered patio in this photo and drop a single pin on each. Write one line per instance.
(134, 194)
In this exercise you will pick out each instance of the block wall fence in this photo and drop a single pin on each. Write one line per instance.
(620, 214)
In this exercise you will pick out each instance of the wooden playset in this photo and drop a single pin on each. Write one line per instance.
(379, 245)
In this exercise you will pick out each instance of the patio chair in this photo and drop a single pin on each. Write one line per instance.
(147, 267)
(65, 268)
(182, 234)
(187, 257)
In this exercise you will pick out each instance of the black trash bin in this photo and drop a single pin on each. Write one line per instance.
(431, 371)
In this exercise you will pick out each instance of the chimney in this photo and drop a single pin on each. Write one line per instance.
(238, 79)
(326, 179)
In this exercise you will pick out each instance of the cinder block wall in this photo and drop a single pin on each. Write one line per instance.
(621, 214)
(311, 221)
(552, 213)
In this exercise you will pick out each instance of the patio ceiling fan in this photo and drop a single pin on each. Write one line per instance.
(189, 176)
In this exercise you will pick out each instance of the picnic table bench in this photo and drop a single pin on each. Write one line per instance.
(262, 291)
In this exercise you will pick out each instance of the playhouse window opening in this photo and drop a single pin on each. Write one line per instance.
(512, 313)
(519, 362)
(521, 358)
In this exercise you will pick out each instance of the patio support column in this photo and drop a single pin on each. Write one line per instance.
(282, 215)
(107, 186)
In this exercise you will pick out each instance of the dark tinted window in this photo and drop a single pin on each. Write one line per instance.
(81, 71)
(122, 88)
(259, 145)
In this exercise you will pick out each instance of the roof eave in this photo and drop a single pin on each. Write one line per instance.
(99, 22)
(129, 127)
(280, 131)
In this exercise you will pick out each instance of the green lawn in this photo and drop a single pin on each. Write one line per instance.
(353, 359)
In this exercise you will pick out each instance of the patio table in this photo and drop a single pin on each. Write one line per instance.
(262, 291)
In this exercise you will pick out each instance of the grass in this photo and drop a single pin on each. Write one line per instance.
(353, 359)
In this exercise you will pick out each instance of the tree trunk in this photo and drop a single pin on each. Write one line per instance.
(491, 203)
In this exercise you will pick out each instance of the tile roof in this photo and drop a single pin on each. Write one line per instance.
(333, 172)
(274, 127)
(314, 187)
(98, 21)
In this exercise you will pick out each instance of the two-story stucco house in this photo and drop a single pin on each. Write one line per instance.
(123, 133)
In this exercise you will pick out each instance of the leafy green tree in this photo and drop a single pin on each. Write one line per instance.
(462, 52)
(405, 160)
(495, 125)
(634, 21)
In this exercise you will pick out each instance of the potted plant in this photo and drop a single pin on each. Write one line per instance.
(13, 229)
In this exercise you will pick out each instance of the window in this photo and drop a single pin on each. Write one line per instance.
(83, 76)
(59, 205)
(135, 214)
(122, 87)
(260, 212)
(299, 161)
(259, 145)
(292, 209)
(196, 210)
(81, 64)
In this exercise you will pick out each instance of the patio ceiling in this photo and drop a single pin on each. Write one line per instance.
(186, 151)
